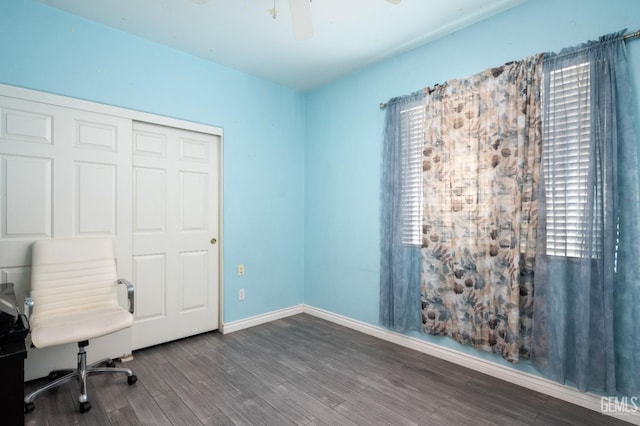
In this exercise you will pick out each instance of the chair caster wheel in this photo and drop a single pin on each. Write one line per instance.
(85, 406)
(132, 379)
(29, 407)
(110, 364)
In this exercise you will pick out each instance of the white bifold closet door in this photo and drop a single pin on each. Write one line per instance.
(175, 226)
(63, 173)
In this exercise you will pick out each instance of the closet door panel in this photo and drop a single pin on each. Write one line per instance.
(26, 197)
(95, 199)
(149, 273)
(19, 125)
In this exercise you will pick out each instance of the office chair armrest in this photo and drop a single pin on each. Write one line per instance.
(28, 304)
(129, 292)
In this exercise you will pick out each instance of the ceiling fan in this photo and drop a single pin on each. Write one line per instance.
(301, 18)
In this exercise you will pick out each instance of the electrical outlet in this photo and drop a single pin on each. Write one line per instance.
(241, 294)
(240, 269)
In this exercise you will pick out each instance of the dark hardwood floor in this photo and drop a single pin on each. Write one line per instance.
(301, 370)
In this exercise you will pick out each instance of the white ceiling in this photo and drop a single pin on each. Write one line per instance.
(241, 34)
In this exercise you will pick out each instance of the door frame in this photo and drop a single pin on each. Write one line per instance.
(100, 108)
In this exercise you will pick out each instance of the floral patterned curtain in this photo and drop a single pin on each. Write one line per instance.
(481, 164)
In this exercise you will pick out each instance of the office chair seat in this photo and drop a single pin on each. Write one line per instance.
(74, 295)
(75, 327)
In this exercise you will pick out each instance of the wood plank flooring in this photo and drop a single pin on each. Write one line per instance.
(305, 371)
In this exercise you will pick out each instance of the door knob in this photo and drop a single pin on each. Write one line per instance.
(213, 241)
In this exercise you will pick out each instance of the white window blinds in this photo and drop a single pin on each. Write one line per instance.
(566, 163)
(412, 140)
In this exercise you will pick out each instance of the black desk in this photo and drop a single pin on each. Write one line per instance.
(12, 356)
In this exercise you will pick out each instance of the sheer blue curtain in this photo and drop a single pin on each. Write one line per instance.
(400, 234)
(586, 323)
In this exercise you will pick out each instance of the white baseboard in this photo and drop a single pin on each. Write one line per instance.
(232, 326)
(527, 380)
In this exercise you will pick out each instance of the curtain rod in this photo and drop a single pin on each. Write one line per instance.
(630, 36)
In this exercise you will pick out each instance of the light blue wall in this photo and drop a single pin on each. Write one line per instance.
(344, 128)
(52, 51)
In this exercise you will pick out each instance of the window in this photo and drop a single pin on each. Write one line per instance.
(566, 162)
(567, 154)
(412, 138)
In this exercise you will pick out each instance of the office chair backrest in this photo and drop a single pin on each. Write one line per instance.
(73, 275)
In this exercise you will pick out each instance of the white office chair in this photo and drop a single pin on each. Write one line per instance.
(74, 298)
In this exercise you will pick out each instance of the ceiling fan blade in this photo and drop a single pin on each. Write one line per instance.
(301, 19)
(394, 1)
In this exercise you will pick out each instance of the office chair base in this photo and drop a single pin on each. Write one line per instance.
(60, 377)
